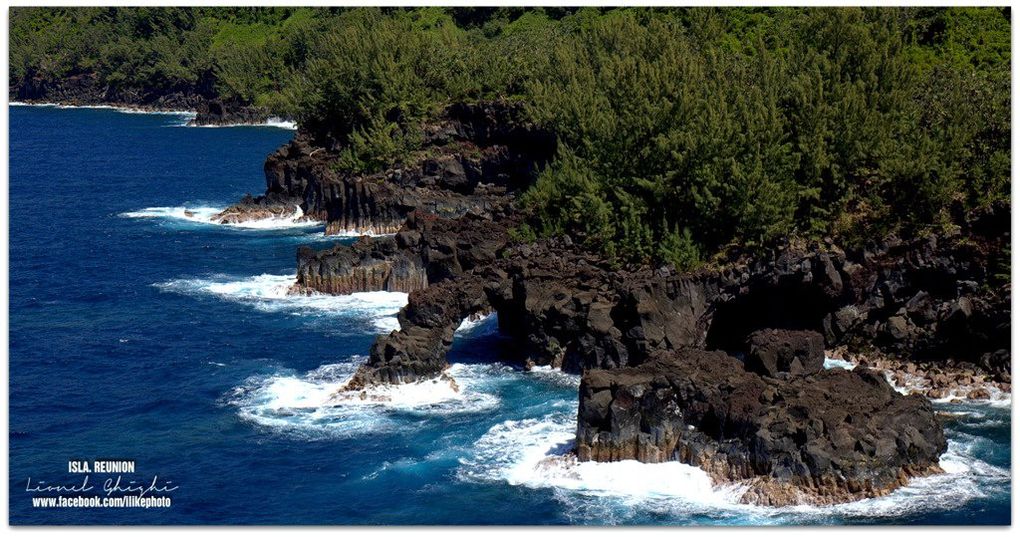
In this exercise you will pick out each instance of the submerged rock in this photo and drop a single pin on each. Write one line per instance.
(251, 209)
(831, 437)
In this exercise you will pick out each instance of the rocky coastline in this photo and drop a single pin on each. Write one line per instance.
(721, 368)
(475, 157)
(85, 89)
(814, 437)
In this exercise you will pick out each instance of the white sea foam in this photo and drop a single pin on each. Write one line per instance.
(472, 323)
(909, 383)
(530, 453)
(831, 363)
(204, 215)
(534, 453)
(554, 376)
(350, 234)
(274, 122)
(386, 324)
(281, 123)
(312, 403)
(123, 109)
(269, 293)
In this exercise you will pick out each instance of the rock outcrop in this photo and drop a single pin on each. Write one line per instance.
(228, 112)
(249, 208)
(472, 159)
(830, 437)
(418, 350)
(426, 250)
(656, 346)
(370, 264)
(575, 312)
(569, 309)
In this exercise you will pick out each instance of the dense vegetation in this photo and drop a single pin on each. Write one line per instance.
(682, 131)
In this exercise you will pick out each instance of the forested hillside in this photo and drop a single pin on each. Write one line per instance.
(680, 131)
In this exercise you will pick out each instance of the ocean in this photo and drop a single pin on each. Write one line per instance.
(140, 331)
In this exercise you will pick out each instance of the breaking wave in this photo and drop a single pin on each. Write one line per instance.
(189, 114)
(204, 216)
(477, 324)
(534, 453)
(274, 122)
(311, 405)
(269, 293)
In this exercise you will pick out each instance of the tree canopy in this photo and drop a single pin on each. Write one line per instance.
(681, 131)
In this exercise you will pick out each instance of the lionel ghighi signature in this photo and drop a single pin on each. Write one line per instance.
(98, 479)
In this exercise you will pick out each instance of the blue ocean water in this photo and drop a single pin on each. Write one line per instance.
(140, 331)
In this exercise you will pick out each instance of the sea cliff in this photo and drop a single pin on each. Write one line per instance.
(719, 367)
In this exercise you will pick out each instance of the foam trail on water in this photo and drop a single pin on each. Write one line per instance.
(535, 453)
(269, 293)
(530, 453)
(190, 114)
(204, 215)
(312, 404)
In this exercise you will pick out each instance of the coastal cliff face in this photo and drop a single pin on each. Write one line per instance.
(86, 89)
(572, 311)
(719, 368)
(773, 422)
(473, 158)
(832, 436)
(945, 298)
(426, 250)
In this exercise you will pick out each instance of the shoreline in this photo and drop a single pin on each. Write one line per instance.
(120, 107)
(938, 382)
(125, 108)
(837, 352)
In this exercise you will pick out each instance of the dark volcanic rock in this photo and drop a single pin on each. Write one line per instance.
(370, 264)
(219, 112)
(427, 324)
(571, 310)
(474, 157)
(770, 352)
(574, 311)
(943, 298)
(86, 89)
(260, 208)
(428, 249)
(831, 437)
